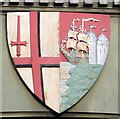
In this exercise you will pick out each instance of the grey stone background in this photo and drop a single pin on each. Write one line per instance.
(0, 67)
(102, 98)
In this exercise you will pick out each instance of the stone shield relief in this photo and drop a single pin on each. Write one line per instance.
(58, 55)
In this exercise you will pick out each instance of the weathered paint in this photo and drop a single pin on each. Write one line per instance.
(49, 34)
(51, 87)
(94, 100)
(82, 79)
(34, 58)
(28, 79)
(12, 20)
(35, 54)
(45, 53)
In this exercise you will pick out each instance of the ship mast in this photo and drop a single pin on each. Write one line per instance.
(73, 26)
(74, 29)
(83, 28)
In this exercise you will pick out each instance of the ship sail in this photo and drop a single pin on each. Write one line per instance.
(76, 47)
(72, 40)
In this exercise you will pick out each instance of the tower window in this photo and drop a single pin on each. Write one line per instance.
(104, 51)
(100, 51)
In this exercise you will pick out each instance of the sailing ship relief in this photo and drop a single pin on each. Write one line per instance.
(59, 56)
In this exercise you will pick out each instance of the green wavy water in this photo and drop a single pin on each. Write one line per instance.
(82, 79)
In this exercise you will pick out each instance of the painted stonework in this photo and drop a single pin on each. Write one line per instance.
(58, 55)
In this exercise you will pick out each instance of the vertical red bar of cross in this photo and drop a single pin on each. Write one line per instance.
(35, 54)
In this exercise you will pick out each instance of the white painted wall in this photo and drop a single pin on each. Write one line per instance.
(102, 49)
(49, 30)
(92, 41)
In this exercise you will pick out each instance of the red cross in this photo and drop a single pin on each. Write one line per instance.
(18, 43)
(35, 60)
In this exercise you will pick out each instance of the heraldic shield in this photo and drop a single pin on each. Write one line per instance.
(58, 55)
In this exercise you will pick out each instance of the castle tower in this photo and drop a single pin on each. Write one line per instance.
(102, 48)
(92, 41)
